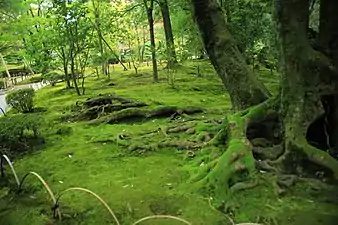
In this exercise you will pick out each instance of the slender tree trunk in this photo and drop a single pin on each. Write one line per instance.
(99, 35)
(152, 37)
(72, 68)
(5, 66)
(169, 37)
(112, 51)
(144, 44)
(139, 49)
(65, 67)
(244, 88)
(6, 69)
(103, 63)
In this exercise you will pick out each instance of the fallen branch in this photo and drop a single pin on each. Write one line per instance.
(144, 114)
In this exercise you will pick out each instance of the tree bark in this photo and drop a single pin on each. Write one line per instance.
(304, 82)
(307, 77)
(72, 68)
(328, 40)
(152, 36)
(244, 88)
(65, 67)
(5, 66)
(169, 37)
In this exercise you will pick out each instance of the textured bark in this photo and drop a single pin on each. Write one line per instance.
(244, 88)
(72, 68)
(328, 40)
(65, 67)
(150, 9)
(307, 76)
(328, 31)
(303, 82)
(169, 37)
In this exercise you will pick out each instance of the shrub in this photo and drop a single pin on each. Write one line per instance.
(18, 133)
(36, 79)
(53, 77)
(2, 84)
(21, 100)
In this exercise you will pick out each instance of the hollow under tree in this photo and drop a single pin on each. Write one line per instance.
(308, 92)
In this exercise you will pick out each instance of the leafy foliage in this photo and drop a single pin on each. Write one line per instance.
(21, 100)
(53, 77)
(36, 79)
(17, 131)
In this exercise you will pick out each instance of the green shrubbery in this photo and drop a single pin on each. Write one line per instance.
(18, 133)
(53, 77)
(36, 79)
(21, 100)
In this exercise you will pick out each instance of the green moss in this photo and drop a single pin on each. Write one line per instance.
(134, 187)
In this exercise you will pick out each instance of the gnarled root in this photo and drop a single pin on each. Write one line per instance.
(300, 156)
(237, 162)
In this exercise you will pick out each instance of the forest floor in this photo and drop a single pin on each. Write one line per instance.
(150, 181)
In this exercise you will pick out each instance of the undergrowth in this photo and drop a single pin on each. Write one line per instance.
(77, 154)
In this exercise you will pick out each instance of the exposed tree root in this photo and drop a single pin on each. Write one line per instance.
(237, 161)
(131, 114)
(104, 100)
(271, 153)
(181, 128)
(96, 112)
(114, 109)
(231, 172)
(300, 150)
(179, 145)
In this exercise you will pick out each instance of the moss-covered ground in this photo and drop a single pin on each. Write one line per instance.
(155, 182)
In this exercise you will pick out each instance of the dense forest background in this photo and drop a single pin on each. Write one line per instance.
(176, 112)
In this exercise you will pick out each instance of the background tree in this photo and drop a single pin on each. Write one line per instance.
(74, 33)
(149, 7)
(169, 37)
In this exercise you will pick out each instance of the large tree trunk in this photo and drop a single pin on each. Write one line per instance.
(244, 88)
(152, 37)
(328, 40)
(309, 80)
(169, 37)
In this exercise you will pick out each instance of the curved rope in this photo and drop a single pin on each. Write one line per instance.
(161, 217)
(92, 193)
(52, 196)
(11, 166)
